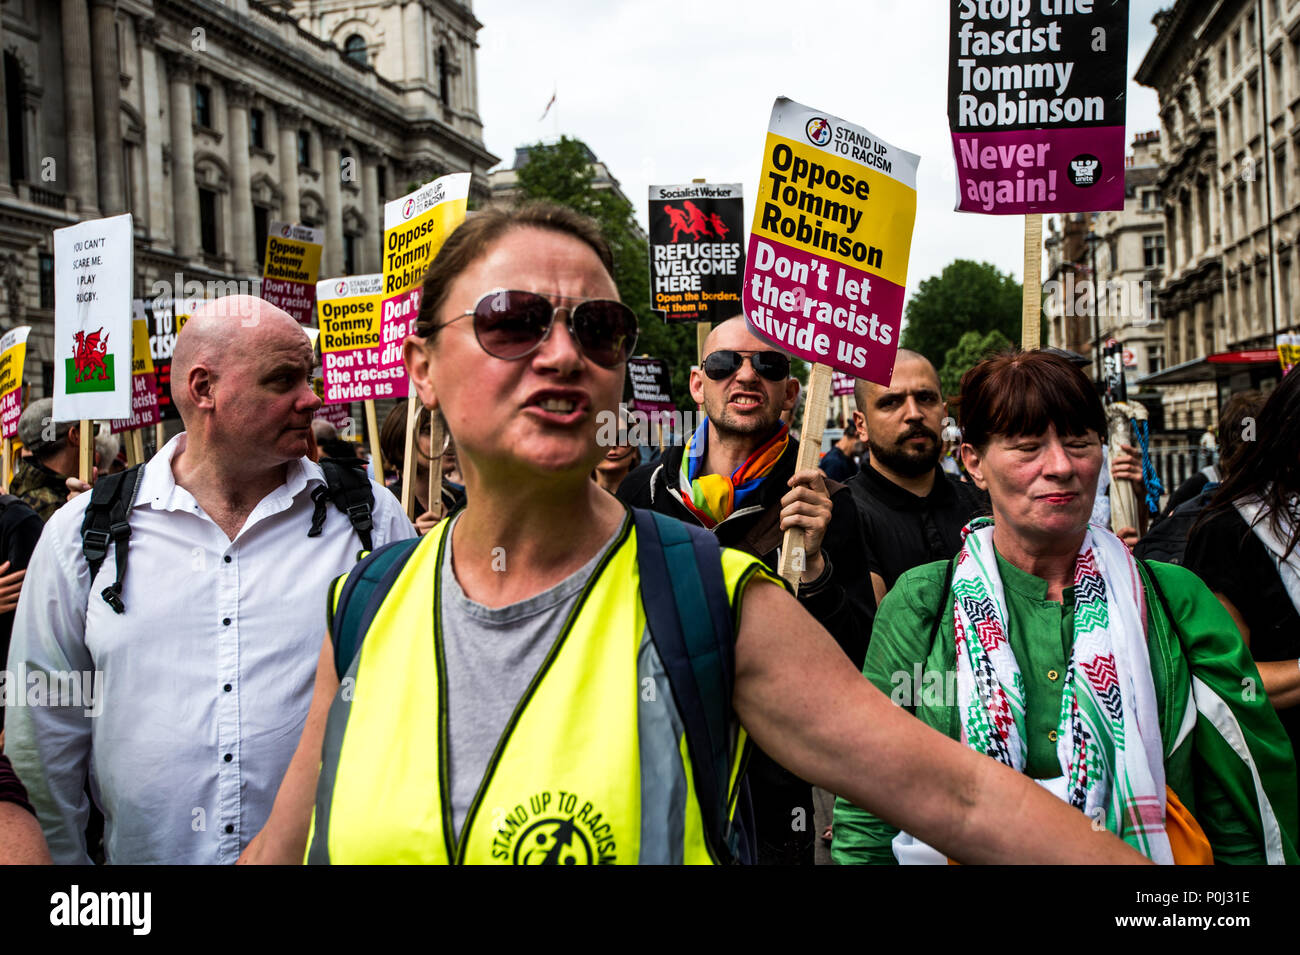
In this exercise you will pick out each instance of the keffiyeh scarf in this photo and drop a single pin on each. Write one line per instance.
(713, 497)
(1108, 737)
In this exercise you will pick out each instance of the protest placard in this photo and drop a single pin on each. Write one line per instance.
(1288, 351)
(651, 385)
(1036, 99)
(291, 267)
(828, 252)
(164, 318)
(93, 265)
(415, 226)
(13, 354)
(350, 341)
(697, 255)
(144, 382)
(827, 263)
(841, 384)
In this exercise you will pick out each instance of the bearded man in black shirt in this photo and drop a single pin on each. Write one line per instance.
(911, 511)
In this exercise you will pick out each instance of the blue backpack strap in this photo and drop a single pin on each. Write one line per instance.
(358, 602)
(687, 608)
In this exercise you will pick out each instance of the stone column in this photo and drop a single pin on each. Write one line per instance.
(289, 118)
(185, 192)
(6, 189)
(78, 107)
(241, 192)
(331, 140)
(146, 32)
(108, 107)
(371, 209)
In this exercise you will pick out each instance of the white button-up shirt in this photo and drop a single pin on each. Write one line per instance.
(191, 702)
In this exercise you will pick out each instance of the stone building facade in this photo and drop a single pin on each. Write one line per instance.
(207, 119)
(1228, 80)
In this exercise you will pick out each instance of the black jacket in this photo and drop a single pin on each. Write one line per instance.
(905, 531)
(845, 605)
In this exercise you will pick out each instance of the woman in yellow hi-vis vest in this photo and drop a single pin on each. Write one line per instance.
(506, 703)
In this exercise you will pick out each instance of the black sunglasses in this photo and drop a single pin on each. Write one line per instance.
(510, 324)
(772, 365)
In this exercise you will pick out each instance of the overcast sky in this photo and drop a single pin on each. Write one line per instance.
(668, 91)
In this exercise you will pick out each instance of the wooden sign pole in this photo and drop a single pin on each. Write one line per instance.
(158, 436)
(1032, 297)
(87, 448)
(793, 560)
(437, 435)
(372, 432)
(128, 442)
(408, 454)
(7, 471)
(137, 442)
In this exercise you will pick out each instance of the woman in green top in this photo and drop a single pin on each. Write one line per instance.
(1044, 645)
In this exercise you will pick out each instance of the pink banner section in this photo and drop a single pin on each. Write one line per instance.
(1040, 170)
(396, 322)
(822, 310)
(338, 415)
(356, 375)
(841, 384)
(144, 404)
(296, 298)
(11, 409)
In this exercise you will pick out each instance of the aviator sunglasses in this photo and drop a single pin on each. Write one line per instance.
(510, 324)
(772, 365)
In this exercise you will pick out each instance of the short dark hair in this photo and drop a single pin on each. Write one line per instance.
(480, 230)
(392, 433)
(1022, 392)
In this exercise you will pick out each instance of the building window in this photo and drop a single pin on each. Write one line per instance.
(444, 79)
(1153, 251)
(202, 105)
(261, 220)
(354, 48)
(1223, 63)
(47, 378)
(1227, 216)
(381, 179)
(304, 148)
(349, 255)
(257, 128)
(347, 167)
(46, 267)
(1150, 199)
(14, 96)
(1279, 163)
(1155, 358)
(208, 220)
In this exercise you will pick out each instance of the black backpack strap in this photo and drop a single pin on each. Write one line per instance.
(107, 520)
(347, 485)
(358, 601)
(688, 611)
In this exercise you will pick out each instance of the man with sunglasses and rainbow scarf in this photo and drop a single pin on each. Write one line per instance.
(736, 476)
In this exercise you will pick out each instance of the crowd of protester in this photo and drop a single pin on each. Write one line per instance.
(964, 635)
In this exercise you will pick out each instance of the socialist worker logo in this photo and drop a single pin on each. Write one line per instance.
(818, 131)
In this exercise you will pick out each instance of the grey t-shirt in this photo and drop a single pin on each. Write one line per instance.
(492, 654)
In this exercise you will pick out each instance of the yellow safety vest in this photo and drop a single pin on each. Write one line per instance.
(567, 782)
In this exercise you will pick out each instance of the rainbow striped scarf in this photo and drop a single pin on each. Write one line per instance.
(713, 497)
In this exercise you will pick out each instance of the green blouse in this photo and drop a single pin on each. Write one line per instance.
(920, 675)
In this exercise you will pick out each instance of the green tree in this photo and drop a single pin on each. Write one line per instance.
(562, 172)
(966, 297)
(970, 349)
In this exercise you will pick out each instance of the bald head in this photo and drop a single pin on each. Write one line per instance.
(917, 363)
(229, 332)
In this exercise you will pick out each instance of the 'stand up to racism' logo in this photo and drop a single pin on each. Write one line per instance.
(91, 367)
(818, 131)
(286, 231)
(341, 287)
(407, 207)
(1085, 170)
(691, 220)
(554, 828)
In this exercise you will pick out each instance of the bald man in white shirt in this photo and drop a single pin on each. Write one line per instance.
(193, 699)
